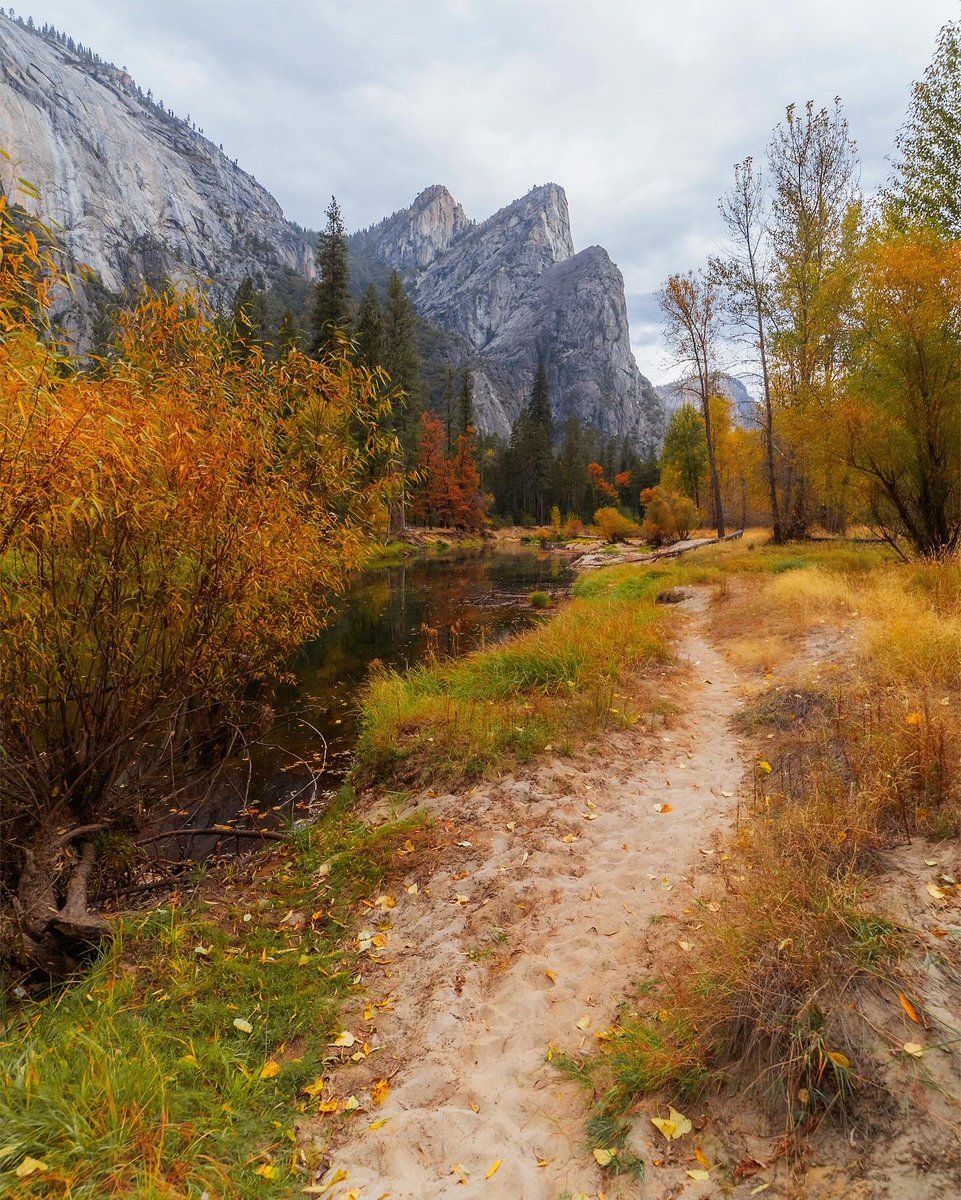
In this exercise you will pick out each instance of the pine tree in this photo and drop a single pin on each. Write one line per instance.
(403, 365)
(539, 451)
(332, 311)
(467, 416)
(370, 329)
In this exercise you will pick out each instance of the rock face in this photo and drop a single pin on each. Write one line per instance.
(513, 290)
(138, 194)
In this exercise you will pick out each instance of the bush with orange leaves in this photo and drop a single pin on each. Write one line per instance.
(668, 517)
(172, 525)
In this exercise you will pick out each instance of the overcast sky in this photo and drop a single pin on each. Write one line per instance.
(638, 109)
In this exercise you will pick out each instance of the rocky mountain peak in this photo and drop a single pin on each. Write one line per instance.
(415, 236)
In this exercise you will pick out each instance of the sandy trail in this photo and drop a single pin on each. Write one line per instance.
(474, 1009)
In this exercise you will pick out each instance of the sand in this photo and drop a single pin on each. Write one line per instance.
(521, 940)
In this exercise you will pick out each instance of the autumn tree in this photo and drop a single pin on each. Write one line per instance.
(171, 529)
(690, 304)
(332, 308)
(814, 232)
(904, 418)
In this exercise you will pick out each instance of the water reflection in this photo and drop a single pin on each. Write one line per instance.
(396, 615)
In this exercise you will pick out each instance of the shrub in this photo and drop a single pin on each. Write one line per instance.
(573, 527)
(614, 526)
(540, 599)
(668, 517)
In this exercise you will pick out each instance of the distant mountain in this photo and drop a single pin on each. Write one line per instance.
(512, 290)
(673, 395)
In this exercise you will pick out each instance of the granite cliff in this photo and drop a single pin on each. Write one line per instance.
(138, 194)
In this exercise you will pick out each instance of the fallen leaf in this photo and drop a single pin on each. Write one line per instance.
(699, 1173)
(706, 853)
(569, 838)
(914, 718)
(604, 1158)
(662, 808)
(584, 1022)
(765, 766)
(934, 891)
(344, 1038)
(242, 1025)
(686, 945)
(494, 1169)
(271, 1069)
(378, 1093)
(462, 899)
(413, 890)
(351, 1104)
(931, 862)
(839, 1059)
(909, 1008)
(329, 1106)
(267, 1171)
(728, 795)
(674, 1125)
(551, 975)
(30, 1166)
(915, 1049)
(385, 902)
(702, 1158)
(378, 1124)
(761, 1187)
(315, 1088)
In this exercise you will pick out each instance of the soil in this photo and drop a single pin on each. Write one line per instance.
(551, 894)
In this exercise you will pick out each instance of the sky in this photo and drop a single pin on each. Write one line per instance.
(639, 110)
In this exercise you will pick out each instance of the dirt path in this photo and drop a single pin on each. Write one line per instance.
(526, 934)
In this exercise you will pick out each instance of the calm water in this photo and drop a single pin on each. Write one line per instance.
(396, 616)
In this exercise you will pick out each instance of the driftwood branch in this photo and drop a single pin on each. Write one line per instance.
(268, 835)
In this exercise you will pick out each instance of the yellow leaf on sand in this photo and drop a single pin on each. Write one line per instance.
(913, 1048)
(460, 1172)
(686, 946)
(378, 1093)
(351, 1104)
(551, 975)
(839, 1059)
(271, 1069)
(329, 1106)
(413, 890)
(30, 1166)
(584, 1022)
(385, 902)
(569, 838)
(344, 1038)
(702, 1158)
(674, 1126)
(604, 1158)
(937, 893)
(699, 1173)
(909, 1008)
(315, 1088)
(242, 1025)
(494, 1169)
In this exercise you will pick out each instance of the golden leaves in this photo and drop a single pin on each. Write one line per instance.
(270, 1069)
(380, 1091)
(496, 1166)
(675, 1125)
(909, 1008)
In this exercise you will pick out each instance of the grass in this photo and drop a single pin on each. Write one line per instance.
(138, 1082)
(577, 674)
(857, 754)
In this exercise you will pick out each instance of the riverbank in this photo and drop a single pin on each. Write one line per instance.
(488, 988)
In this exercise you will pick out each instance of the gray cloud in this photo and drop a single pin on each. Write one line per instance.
(639, 110)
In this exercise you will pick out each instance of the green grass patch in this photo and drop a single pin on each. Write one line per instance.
(548, 687)
(147, 1078)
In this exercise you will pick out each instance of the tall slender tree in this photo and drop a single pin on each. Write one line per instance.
(746, 277)
(466, 414)
(370, 329)
(690, 303)
(332, 309)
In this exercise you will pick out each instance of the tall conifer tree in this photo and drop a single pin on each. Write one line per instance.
(332, 311)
